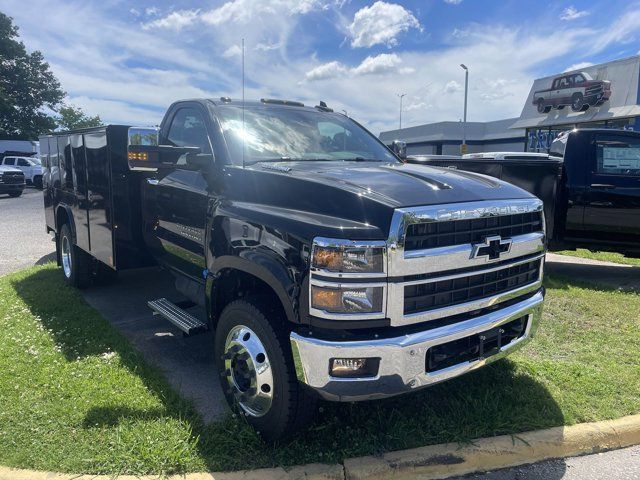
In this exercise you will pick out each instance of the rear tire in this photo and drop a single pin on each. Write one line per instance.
(37, 182)
(76, 264)
(257, 373)
(15, 194)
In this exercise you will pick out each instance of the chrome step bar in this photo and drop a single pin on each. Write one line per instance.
(182, 319)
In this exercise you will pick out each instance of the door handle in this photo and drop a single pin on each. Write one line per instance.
(152, 181)
(602, 186)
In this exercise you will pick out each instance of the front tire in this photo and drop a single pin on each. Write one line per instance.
(257, 373)
(577, 103)
(76, 264)
(15, 194)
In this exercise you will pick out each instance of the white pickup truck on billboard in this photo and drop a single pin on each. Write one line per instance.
(579, 90)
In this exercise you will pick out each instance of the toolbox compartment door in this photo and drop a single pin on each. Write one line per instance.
(99, 204)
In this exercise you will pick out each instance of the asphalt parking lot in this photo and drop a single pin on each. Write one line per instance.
(187, 362)
(23, 240)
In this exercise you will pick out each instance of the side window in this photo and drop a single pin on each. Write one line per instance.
(9, 161)
(23, 163)
(617, 155)
(188, 130)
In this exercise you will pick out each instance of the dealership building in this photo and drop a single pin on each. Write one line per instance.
(599, 96)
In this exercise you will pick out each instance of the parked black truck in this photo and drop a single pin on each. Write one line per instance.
(328, 268)
(590, 185)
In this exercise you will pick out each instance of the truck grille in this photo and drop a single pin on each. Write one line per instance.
(436, 294)
(594, 90)
(462, 258)
(12, 178)
(457, 232)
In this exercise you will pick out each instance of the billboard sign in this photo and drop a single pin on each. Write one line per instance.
(589, 94)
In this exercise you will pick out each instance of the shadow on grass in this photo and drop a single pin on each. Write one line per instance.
(602, 277)
(498, 399)
(98, 417)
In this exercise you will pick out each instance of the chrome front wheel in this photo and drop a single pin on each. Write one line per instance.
(248, 371)
(66, 256)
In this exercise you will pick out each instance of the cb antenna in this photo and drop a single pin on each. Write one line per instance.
(243, 132)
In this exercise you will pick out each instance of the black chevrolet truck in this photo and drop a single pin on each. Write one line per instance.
(327, 267)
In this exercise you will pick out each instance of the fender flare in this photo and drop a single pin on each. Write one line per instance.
(269, 271)
(72, 223)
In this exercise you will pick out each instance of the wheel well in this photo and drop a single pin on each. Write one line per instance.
(232, 284)
(62, 217)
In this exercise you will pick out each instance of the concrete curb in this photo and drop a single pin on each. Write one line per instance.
(432, 462)
(449, 459)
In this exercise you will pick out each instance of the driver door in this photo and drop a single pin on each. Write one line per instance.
(180, 198)
(612, 208)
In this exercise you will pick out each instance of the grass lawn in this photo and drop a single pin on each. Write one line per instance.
(602, 256)
(76, 397)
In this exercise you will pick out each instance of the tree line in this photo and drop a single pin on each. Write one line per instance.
(31, 97)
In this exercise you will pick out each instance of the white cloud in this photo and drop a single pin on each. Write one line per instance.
(459, 33)
(134, 12)
(452, 86)
(232, 51)
(453, 2)
(326, 70)
(417, 106)
(572, 13)
(385, 62)
(578, 66)
(174, 21)
(265, 47)
(380, 23)
(152, 11)
(240, 12)
(117, 111)
(372, 65)
(623, 30)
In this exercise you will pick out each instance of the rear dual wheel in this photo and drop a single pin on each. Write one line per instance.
(256, 369)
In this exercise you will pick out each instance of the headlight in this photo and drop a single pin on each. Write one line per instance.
(346, 299)
(348, 279)
(343, 256)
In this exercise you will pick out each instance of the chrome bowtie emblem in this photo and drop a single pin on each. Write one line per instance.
(492, 247)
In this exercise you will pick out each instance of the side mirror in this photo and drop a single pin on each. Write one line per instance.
(145, 154)
(199, 161)
(399, 148)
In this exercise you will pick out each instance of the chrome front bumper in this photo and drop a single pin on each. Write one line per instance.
(402, 359)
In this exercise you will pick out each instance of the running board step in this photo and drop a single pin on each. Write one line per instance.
(176, 315)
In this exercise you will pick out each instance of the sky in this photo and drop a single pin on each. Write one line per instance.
(128, 61)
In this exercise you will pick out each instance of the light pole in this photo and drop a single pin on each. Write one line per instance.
(401, 95)
(463, 149)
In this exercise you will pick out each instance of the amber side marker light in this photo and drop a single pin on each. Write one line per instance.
(144, 156)
(354, 367)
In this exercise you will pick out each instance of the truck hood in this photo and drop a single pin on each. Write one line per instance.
(7, 168)
(398, 184)
(348, 199)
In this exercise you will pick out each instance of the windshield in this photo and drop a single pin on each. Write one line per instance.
(281, 134)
